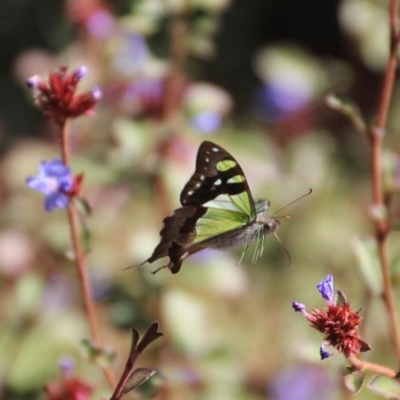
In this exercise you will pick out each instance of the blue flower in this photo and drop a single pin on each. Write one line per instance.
(338, 322)
(55, 180)
(300, 307)
(323, 353)
(67, 365)
(325, 287)
(207, 121)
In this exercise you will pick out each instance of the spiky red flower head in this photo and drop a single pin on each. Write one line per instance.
(57, 97)
(338, 323)
(70, 387)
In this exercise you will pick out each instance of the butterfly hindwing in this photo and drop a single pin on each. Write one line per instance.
(177, 237)
(188, 229)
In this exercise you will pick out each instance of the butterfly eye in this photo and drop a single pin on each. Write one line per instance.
(270, 225)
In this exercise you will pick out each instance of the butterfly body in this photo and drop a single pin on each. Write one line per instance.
(217, 211)
(247, 235)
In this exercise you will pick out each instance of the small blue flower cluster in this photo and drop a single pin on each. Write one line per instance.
(55, 180)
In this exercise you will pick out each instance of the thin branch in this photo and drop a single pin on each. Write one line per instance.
(80, 260)
(376, 135)
(368, 366)
(172, 99)
(177, 58)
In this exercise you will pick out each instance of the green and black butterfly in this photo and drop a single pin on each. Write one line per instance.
(218, 211)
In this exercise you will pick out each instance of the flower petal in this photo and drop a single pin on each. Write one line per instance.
(298, 306)
(325, 287)
(37, 183)
(55, 199)
(323, 353)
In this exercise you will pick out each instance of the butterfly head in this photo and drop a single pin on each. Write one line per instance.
(271, 225)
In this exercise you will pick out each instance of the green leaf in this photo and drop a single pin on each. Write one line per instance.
(354, 381)
(340, 298)
(366, 251)
(384, 386)
(101, 356)
(138, 377)
(83, 206)
(349, 108)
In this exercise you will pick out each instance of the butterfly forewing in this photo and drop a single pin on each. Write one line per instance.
(218, 182)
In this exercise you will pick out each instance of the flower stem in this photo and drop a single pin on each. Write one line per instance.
(376, 135)
(177, 57)
(80, 260)
(368, 366)
(171, 108)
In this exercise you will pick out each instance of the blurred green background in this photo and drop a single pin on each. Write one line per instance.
(251, 76)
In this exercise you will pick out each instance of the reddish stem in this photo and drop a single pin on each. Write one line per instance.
(80, 260)
(178, 54)
(376, 135)
(125, 377)
(172, 100)
(368, 366)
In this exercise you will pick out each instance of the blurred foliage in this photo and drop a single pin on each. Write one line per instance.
(229, 330)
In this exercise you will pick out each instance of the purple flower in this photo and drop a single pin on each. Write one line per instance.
(101, 24)
(57, 96)
(33, 82)
(207, 121)
(325, 287)
(276, 101)
(323, 353)
(298, 306)
(132, 54)
(302, 382)
(338, 323)
(81, 72)
(67, 365)
(97, 93)
(55, 180)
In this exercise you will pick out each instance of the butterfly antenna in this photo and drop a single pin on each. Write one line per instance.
(131, 266)
(134, 266)
(284, 248)
(294, 201)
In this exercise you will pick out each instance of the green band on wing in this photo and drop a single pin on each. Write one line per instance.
(226, 165)
(218, 221)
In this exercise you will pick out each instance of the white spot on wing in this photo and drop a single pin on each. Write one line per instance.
(218, 182)
(190, 192)
(207, 159)
(215, 149)
(202, 177)
(197, 185)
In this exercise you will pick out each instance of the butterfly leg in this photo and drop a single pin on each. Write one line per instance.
(158, 269)
(246, 245)
(259, 246)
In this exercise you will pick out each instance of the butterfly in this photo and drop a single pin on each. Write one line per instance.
(218, 212)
